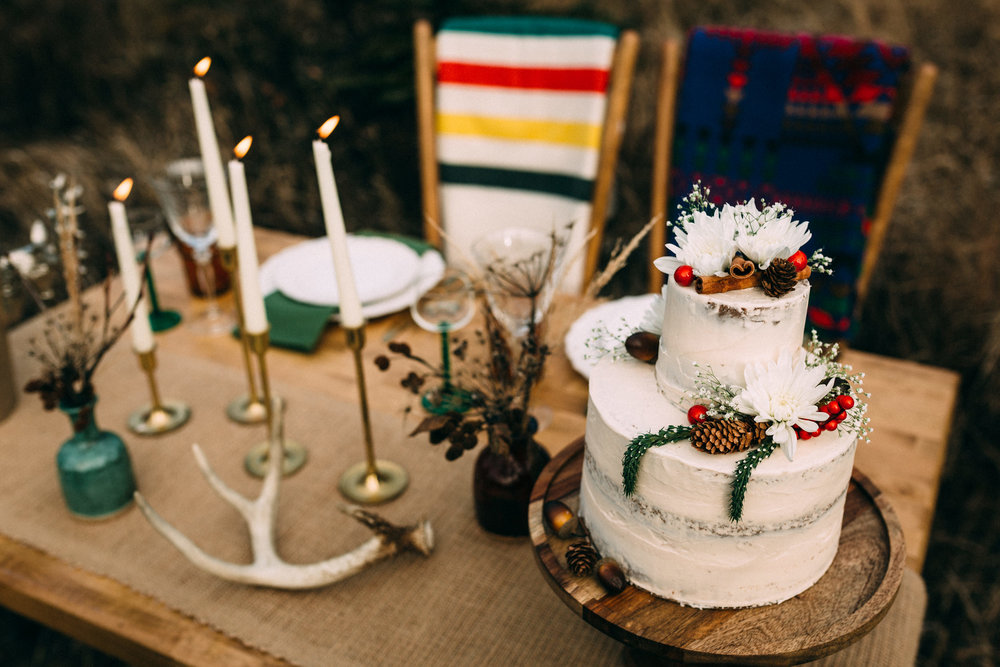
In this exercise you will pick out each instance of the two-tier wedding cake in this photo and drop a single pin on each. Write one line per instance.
(679, 482)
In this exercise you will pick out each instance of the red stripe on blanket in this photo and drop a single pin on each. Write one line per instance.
(535, 78)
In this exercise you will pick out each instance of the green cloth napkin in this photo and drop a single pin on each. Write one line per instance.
(299, 326)
(295, 325)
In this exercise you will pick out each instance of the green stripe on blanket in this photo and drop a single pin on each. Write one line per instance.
(562, 185)
(530, 25)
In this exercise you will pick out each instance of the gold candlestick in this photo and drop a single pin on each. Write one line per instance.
(372, 480)
(293, 454)
(247, 409)
(159, 416)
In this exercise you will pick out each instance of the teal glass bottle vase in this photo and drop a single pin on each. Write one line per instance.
(95, 472)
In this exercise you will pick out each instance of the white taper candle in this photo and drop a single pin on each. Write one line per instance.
(350, 304)
(215, 177)
(142, 333)
(254, 316)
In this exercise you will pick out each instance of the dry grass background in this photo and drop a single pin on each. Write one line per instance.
(98, 90)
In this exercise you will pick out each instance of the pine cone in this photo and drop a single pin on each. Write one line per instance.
(779, 278)
(580, 558)
(759, 431)
(722, 436)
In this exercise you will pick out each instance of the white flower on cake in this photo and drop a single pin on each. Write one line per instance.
(707, 244)
(785, 392)
(652, 319)
(766, 235)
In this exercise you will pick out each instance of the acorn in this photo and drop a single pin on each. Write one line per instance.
(560, 518)
(643, 345)
(611, 576)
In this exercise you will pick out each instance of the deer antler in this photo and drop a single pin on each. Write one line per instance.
(267, 568)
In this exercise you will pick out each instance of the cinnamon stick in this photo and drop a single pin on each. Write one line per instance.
(719, 284)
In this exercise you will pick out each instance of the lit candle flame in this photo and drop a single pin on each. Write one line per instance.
(124, 188)
(326, 128)
(201, 69)
(243, 147)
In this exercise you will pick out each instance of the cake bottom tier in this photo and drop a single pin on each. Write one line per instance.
(673, 536)
(695, 566)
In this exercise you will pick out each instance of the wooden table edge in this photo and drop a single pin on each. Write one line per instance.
(109, 616)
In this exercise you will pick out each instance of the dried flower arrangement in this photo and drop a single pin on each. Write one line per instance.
(497, 376)
(497, 380)
(75, 339)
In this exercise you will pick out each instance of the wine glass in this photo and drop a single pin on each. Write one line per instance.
(520, 267)
(146, 224)
(183, 195)
(446, 307)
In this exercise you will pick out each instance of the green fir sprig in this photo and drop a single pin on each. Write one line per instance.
(640, 445)
(742, 476)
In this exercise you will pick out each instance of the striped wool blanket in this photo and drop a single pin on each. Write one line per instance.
(520, 106)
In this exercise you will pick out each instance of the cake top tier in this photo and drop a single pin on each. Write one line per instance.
(736, 292)
(724, 333)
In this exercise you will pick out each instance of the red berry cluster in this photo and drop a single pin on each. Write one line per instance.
(837, 409)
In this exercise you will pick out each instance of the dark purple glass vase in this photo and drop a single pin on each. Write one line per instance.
(502, 483)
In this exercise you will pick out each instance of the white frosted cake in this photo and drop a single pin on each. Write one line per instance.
(675, 532)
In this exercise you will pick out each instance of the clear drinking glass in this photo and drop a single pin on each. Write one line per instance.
(520, 267)
(446, 307)
(183, 195)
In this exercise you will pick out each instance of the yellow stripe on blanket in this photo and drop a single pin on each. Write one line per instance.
(573, 134)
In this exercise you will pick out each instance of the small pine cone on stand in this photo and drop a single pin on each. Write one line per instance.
(779, 278)
(721, 436)
(580, 558)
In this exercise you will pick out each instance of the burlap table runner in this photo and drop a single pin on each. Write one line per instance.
(477, 600)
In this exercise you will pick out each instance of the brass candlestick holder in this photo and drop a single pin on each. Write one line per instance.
(372, 480)
(159, 416)
(249, 408)
(294, 454)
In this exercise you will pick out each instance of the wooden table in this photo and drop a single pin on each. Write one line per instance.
(911, 410)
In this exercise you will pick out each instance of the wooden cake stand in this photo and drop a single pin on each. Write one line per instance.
(844, 605)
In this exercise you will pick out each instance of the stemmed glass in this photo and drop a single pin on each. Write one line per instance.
(446, 307)
(146, 225)
(183, 194)
(520, 267)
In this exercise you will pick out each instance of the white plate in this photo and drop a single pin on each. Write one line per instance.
(620, 318)
(429, 271)
(382, 268)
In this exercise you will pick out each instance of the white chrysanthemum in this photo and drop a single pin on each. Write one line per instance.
(652, 319)
(784, 392)
(768, 234)
(707, 244)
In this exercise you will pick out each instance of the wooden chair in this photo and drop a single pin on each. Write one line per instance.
(509, 134)
(846, 101)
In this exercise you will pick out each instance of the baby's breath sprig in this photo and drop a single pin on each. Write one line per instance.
(694, 201)
(607, 342)
(752, 224)
(820, 263)
(714, 394)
